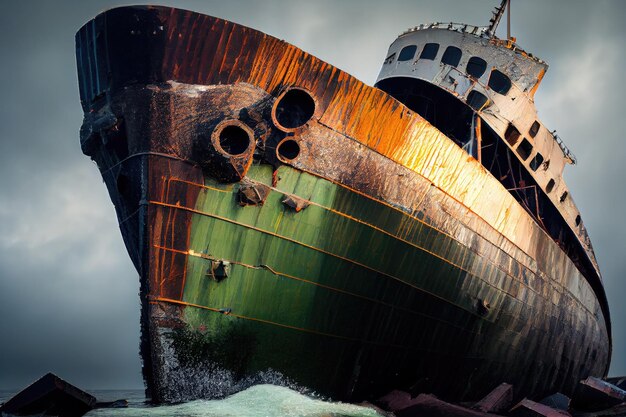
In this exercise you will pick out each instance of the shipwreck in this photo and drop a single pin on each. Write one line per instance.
(285, 217)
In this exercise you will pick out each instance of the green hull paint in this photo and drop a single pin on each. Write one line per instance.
(301, 281)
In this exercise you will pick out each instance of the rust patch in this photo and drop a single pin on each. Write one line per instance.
(296, 203)
(252, 194)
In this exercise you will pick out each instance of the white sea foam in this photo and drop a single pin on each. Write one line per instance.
(257, 401)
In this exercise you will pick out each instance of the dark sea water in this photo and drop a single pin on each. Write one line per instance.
(257, 401)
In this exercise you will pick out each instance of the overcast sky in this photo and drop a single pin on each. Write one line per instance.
(68, 291)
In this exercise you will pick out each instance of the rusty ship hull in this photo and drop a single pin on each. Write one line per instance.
(287, 219)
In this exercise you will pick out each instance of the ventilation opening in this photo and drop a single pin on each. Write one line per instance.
(288, 149)
(511, 135)
(234, 140)
(534, 128)
(550, 186)
(525, 149)
(536, 162)
(294, 109)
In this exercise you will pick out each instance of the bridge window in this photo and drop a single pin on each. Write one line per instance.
(534, 129)
(407, 53)
(536, 162)
(524, 149)
(476, 100)
(499, 82)
(452, 56)
(476, 67)
(430, 51)
(511, 135)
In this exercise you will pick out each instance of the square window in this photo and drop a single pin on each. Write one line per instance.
(524, 149)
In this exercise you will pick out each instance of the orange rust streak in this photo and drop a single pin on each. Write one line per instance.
(215, 216)
(412, 142)
(398, 237)
(533, 90)
(376, 228)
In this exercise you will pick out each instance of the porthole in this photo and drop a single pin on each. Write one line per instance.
(293, 109)
(234, 140)
(288, 149)
(550, 186)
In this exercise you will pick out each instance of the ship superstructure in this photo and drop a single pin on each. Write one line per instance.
(479, 90)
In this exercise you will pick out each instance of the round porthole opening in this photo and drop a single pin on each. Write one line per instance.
(288, 149)
(293, 109)
(234, 140)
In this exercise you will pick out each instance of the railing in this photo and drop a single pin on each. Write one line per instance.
(459, 27)
(566, 152)
(480, 31)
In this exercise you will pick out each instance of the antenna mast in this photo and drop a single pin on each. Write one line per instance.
(495, 19)
(508, 20)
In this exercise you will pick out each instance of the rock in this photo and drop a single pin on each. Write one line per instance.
(427, 405)
(396, 400)
(50, 395)
(595, 394)
(499, 399)
(557, 401)
(528, 408)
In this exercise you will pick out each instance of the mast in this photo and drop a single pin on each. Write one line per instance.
(508, 20)
(497, 16)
